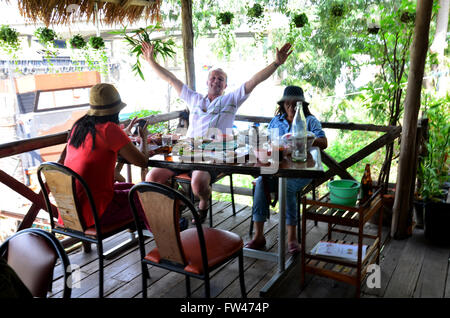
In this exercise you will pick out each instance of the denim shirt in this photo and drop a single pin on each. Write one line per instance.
(312, 125)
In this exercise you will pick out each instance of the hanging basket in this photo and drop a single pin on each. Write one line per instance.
(256, 11)
(225, 18)
(9, 36)
(45, 35)
(77, 42)
(96, 42)
(300, 20)
(337, 9)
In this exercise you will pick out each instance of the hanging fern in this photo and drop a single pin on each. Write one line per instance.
(77, 42)
(165, 48)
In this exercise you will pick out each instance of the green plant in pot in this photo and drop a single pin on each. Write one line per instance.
(95, 54)
(163, 48)
(77, 42)
(257, 22)
(433, 172)
(79, 50)
(255, 13)
(299, 20)
(9, 41)
(225, 17)
(47, 38)
(337, 9)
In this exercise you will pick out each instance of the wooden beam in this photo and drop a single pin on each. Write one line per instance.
(334, 165)
(402, 210)
(356, 157)
(25, 145)
(188, 42)
(140, 3)
(330, 125)
(21, 146)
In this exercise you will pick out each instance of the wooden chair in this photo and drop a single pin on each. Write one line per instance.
(61, 182)
(186, 179)
(32, 254)
(194, 252)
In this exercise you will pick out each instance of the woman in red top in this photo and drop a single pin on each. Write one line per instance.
(94, 143)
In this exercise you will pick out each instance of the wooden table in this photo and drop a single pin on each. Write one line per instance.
(284, 169)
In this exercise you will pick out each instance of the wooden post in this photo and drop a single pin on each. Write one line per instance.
(188, 42)
(402, 216)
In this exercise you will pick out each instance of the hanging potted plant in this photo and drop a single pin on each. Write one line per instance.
(337, 9)
(9, 41)
(45, 36)
(164, 48)
(225, 18)
(299, 20)
(96, 42)
(257, 22)
(407, 17)
(255, 12)
(373, 27)
(77, 42)
(95, 55)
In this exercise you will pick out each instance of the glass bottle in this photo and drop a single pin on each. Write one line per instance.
(366, 184)
(299, 135)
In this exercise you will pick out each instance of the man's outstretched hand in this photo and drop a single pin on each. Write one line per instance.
(148, 52)
(283, 53)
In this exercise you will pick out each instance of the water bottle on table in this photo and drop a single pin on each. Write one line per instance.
(299, 136)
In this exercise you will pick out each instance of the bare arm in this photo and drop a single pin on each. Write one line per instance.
(264, 74)
(321, 142)
(133, 155)
(148, 54)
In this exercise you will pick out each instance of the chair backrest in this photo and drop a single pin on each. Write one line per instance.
(61, 182)
(32, 253)
(161, 205)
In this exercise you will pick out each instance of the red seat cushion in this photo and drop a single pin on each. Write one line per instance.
(110, 228)
(220, 245)
(183, 176)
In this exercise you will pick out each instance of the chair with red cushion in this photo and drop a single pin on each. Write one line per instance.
(60, 182)
(194, 252)
(32, 254)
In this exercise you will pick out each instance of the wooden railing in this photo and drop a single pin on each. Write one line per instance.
(335, 168)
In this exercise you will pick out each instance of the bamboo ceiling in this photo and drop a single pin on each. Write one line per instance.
(109, 11)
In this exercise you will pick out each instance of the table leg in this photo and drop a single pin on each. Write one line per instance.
(282, 223)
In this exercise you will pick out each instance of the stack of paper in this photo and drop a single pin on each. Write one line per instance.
(342, 251)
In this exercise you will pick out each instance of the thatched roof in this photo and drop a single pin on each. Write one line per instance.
(109, 11)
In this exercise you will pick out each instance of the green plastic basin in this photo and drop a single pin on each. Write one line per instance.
(344, 192)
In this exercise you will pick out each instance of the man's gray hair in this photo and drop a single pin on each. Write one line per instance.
(218, 70)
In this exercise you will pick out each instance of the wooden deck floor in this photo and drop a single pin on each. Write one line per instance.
(409, 268)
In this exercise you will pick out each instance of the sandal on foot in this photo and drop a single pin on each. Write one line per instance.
(293, 248)
(256, 245)
(202, 213)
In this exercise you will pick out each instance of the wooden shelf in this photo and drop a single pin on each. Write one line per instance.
(350, 272)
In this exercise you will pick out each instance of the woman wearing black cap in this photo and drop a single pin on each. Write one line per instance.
(94, 143)
(283, 119)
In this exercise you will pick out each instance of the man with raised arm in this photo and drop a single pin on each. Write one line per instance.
(216, 110)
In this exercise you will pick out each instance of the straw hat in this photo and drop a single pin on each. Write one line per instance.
(104, 100)
(292, 92)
